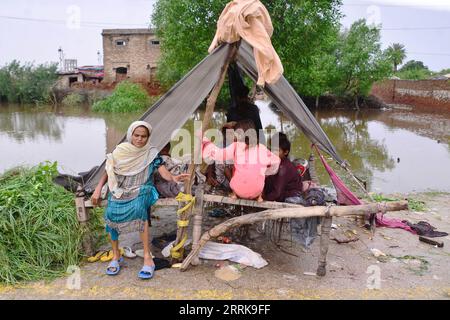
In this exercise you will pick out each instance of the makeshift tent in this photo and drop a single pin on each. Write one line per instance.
(175, 107)
(250, 24)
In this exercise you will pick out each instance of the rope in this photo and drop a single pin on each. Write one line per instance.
(182, 197)
(178, 251)
(182, 223)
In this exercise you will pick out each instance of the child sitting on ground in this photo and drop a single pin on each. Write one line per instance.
(169, 189)
(252, 161)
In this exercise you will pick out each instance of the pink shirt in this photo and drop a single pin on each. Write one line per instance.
(251, 165)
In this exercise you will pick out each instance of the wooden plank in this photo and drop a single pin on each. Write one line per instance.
(250, 203)
(161, 202)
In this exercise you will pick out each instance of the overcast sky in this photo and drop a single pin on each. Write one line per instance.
(33, 30)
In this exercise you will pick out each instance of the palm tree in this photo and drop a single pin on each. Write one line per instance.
(397, 54)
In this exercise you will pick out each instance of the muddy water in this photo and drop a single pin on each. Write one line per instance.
(393, 150)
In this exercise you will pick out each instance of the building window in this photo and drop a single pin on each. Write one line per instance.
(154, 42)
(121, 43)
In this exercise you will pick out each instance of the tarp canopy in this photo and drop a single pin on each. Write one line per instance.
(175, 107)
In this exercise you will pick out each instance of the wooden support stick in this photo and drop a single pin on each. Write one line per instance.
(318, 211)
(312, 169)
(83, 218)
(197, 222)
(210, 104)
(324, 244)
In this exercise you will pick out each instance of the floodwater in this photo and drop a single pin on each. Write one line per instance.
(392, 150)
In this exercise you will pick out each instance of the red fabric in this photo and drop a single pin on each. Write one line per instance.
(346, 197)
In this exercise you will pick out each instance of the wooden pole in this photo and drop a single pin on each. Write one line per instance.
(312, 168)
(324, 244)
(197, 222)
(210, 104)
(83, 218)
(317, 211)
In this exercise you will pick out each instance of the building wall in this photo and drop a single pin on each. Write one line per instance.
(139, 56)
(428, 94)
(63, 81)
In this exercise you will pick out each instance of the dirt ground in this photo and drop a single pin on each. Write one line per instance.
(410, 270)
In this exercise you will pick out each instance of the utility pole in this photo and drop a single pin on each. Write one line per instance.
(99, 58)
(61, 59)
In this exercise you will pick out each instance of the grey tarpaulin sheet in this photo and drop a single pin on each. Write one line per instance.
(175, 107)
(288, 101)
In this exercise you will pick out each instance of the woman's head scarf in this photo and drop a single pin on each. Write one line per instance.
(129, 160)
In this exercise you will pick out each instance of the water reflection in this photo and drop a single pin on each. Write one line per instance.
(22, 126)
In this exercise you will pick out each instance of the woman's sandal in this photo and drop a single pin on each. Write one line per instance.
(97, 256)
(110, 255)
(128, 253)
(146, 272)
(114, 267)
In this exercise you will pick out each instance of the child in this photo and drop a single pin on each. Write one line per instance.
(169, 189)
(252, 161)
(219, 174)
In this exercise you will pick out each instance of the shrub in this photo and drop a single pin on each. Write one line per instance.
(127, 97)
(73, 99)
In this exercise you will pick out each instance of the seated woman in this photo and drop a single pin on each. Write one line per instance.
(129, 170)
(287, 186)
(252, 161)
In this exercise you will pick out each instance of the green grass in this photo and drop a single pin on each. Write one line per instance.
(127, 97)
(413, 204)
(39, 232)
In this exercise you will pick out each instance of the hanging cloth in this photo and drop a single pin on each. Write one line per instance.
(346, 197)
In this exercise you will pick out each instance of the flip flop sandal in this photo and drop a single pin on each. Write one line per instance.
(113, 268)
(128, 253)
(97, 256)
(140, 253)
(146, 272)
(110, 255)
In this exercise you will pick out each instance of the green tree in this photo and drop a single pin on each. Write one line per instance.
(397, 54)
(27, 83)
(413, 65)
(360, 61)
(304, 37)
(414, 70)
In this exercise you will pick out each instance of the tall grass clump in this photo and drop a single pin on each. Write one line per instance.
(127, 97)
(39, 232)
(73, 99)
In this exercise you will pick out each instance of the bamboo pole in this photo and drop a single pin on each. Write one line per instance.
(317, 211)
(210, 104)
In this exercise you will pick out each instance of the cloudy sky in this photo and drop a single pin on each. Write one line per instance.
(33, 30)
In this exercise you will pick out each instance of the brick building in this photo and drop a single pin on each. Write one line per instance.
(130, 54)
